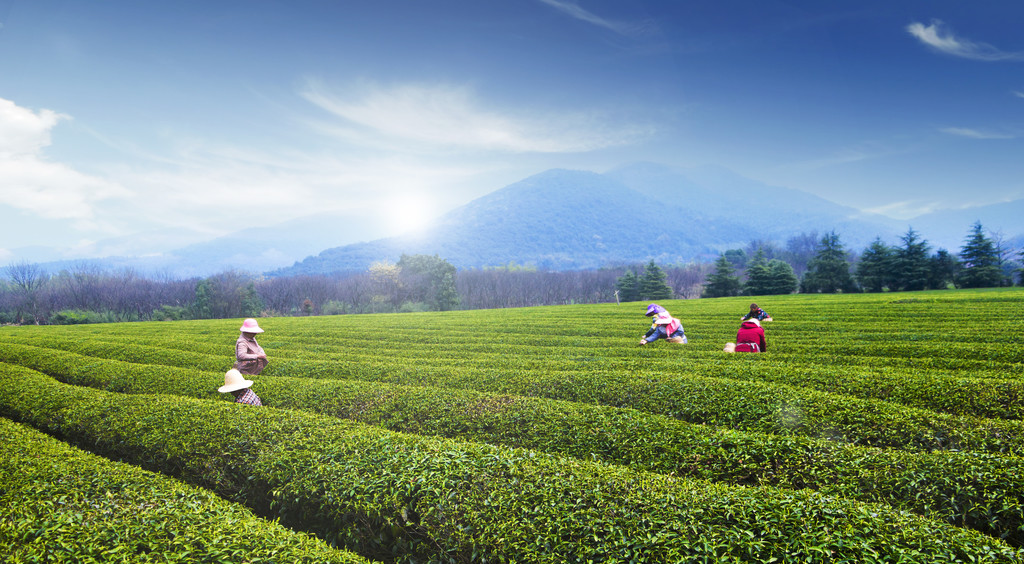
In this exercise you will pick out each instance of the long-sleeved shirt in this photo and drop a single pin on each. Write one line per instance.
(247, 356)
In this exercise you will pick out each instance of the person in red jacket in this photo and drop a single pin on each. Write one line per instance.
(750, 337)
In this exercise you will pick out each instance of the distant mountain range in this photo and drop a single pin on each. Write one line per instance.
(563, 219)
(567, 220)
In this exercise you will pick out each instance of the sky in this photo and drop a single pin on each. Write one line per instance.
(132, 127)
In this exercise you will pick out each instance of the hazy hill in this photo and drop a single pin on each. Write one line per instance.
(562, 219)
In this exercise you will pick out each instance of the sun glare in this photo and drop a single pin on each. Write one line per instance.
(411, 214)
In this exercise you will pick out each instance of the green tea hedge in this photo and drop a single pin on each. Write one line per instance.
(60, 504)
(980, 491)
(417, 498)
(750, 406)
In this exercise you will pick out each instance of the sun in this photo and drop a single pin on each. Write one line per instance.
(411, 214)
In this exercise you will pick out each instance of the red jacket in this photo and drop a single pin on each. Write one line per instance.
(750, 338)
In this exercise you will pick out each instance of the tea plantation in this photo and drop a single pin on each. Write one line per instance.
(876, 428)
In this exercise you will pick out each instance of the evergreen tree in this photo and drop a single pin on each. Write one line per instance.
(736, 257)
(1020, 271)
(980, 261)
(252, 303)
(654, 283)
(828, 271)
(944, 269)
(758, 275)
(874, 270)
(628, 286)
(723, 282)
(781, 278)
(912, 268)
(202, 307)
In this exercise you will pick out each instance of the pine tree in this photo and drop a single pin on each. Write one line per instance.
(781, 278)
(945, 269)
(628, 286)
(758, 275)
(875, 267)
(912, 266)
(723, 282)
(980, 261)
(828, 271)
(654, 283)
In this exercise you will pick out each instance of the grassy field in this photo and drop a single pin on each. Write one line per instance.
(877, 428)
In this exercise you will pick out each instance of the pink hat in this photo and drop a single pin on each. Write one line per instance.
(250, 326)
(663, 319)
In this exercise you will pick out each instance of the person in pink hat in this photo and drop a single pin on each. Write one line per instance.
(249, 356)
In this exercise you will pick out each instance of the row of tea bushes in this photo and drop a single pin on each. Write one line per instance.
(747, 405)
(415, 498)
(980, 491)
(61, 504)
(926, 389)
(743, 405)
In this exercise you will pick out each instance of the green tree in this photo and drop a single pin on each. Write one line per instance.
(252, 303)
(628, 287)
(874, 270)
(758, 275)
(944, 269)
(781, 278)
(654, 283)
(828, 272)
(736, 257)
(429, 279)
(723, 282)
(202, 306)
(980, 260)
(912, 268)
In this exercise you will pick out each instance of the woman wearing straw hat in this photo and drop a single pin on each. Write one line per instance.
(238, 386)
(249, 356)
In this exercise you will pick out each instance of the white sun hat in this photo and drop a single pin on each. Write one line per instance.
(234, 381)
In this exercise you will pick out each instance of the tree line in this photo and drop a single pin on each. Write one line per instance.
(983, 262)
(807, 263)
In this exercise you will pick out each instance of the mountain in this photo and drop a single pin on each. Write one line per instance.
(255, 249)
(563, 219)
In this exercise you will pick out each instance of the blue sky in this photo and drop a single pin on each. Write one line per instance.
(130, 127)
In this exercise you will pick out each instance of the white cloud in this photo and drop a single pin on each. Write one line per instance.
(444, 117)
(575, 11)
(939, 38)
(907, 209)
(23, 132)
(1018, 94)
(975, 133)
(29, 182)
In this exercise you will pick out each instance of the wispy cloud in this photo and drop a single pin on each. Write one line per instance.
(1018, 94)
(938, 37)
(975, 133)
(28, 181)
(574, 10)
(451, 117)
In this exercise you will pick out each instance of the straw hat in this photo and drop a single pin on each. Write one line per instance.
(234, 381)
(250, 326)
(730, 347)
(753, 320)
